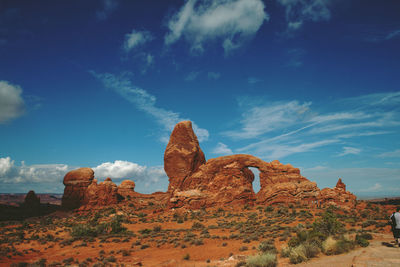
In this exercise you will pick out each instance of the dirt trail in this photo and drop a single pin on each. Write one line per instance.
(381, 252)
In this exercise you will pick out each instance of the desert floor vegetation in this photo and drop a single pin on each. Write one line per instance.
(252, 235)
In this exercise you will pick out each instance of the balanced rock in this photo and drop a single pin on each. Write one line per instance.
(102, 194)
(183, 155)
(76, 183)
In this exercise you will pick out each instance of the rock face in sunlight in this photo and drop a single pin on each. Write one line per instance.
(284, 184)
(337, 196)
(227, 180)
(102, 194)
(126, 188)
(76, 183)
(183, 155)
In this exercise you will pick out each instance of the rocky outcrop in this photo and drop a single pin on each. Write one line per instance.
(102, 194)
(31, 200)
(228, 180)
(337, 196)
(126, 189)
(183, 155)
(76, 183)
(284, 184)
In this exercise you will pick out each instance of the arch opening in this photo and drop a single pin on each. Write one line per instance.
(256, 182)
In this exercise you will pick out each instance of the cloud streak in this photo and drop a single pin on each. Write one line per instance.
(146, 102)
(280, 129)
(229, 22)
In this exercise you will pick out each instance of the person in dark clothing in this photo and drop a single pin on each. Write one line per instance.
(395, 221)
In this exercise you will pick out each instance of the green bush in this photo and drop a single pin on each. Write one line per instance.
(267, 246)
(262, 260)
(328, 225)
(361, 241)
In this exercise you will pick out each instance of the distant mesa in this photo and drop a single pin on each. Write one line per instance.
(196, 183)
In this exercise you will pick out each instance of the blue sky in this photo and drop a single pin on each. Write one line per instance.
(101, 84)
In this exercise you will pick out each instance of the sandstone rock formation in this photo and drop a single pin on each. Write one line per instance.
(102, 194)
(284, 184)
(228, 180)
(183, 155)
(126, 189)
(31, 200)
(337, 196)
(76, 183)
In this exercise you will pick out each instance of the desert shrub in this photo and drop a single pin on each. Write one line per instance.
(262, 260)
(83, 230)
(157, 228)
(285, 252)
(311, 249)
(361, 241)
(294, 241)
(116, 225)
(243, 248)
(298, 254)
(329, 246)
(186, 257)
(197, 225)
(267, 246)
(344, 245)
(328, 225)
(367, 236)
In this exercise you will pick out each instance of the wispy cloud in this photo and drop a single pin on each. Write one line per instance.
(300, 11)
(12, 104)
(192, 76)
(136, 39)
(222, 149)
(295, 56)
(213, 75)
(375, 181)
(229, 22)
(108, 7)
(146, 103)
(350, 151)
(280, 129)
(390, 154)
(253, 80)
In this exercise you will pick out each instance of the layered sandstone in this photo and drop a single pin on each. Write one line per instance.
(337, 196)
(102, 194)
(126, 189)
(183, 155)
(228, 180)
(76, 183)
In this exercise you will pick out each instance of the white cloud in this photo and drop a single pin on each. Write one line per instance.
(119, 169)
(108, 7)
(299, 11)
(49, 177)
(232, 21)
(213, 75)
(136, 39)
(390, 154)
(350, 151)
(39, 173)
(11, 103)
(146, 103)
(192, 76)
(261, 119)
(222, 149)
